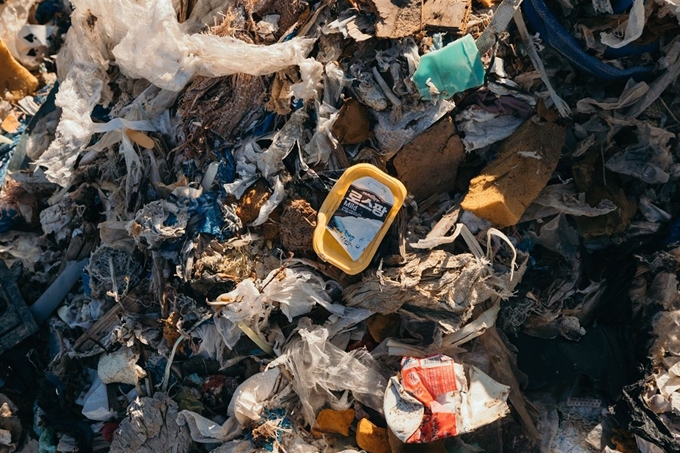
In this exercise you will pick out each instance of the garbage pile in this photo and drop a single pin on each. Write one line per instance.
(304, 226)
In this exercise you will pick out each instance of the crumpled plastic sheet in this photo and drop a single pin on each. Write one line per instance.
(322, 143)
(271, 203)
(295, 290)
(158, 221)
(95, 402)
(434, 285)
(669, 8)
(393, 133)
(634, 27)
(482, 128)
(649, 160)
(173, 57)
(248, 401)
(311, 72)
(630, 94)
(242, 305)
(270, 161)
(245, 407)
(563, 199)
(320, 370)
(206, 431)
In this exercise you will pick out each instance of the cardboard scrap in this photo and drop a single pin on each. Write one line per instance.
(398, 18)
(429, 164)
(447, 15)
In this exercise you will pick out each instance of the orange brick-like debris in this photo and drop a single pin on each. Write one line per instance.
(334, 422)
(510, 183)
(15, 80)
(372, 438)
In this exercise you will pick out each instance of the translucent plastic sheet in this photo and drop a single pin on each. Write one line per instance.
(324, 375)
(633, 30)
(168, 59)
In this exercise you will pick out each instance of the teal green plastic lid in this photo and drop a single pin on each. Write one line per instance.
(451, 69)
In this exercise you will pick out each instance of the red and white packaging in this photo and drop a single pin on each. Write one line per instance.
(438, 398)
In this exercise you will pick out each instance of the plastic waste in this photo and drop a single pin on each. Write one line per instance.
(52, 297)
(355, 217)
(437, 398)
(95, 402)
(324, 375)
(450, 70)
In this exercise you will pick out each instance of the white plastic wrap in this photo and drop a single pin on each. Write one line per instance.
(635, 25)
(144, 39)
(248, 401)
(324, 374)
(271, 203)
(296, 291)
(206, 431)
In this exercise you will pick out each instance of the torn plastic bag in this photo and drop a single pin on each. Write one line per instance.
(176, 57)
(563, 199)
(248, 401)
(634, 27)
(158, 221)
(483, 128)
(242, 305)
(438, 398)
(271, 203)
(270, 161)
(324, 375)
(245, 407)
(297, 291)
(393, 133)
(630, 94)
(206, 431)
(436, 286)
(95, 402)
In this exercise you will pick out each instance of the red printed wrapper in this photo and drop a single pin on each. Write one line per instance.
(426, 379)
(434, 399)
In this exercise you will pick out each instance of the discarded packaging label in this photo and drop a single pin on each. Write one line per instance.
(355, 217)
(438, 398)
(361, 214)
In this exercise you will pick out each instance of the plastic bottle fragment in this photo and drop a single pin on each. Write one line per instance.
(452, 69)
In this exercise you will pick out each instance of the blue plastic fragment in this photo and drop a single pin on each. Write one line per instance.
(543, 22)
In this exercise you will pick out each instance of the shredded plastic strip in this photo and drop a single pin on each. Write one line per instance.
(562, 106)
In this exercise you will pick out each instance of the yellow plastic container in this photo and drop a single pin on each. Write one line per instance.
(355, 217)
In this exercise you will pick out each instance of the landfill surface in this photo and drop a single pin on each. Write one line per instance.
(303, 226)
